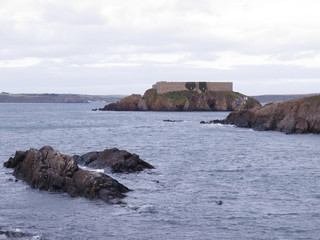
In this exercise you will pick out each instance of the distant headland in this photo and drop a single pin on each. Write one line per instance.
(56, 98)
(186, 96)
(295, 116)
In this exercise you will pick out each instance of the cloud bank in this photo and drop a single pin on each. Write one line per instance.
(122, 47)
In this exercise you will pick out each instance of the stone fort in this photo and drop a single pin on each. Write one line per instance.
(164, 87)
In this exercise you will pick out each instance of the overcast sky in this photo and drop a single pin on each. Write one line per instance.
(125, 46)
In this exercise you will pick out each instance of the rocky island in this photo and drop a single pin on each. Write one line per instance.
(48, 169)
(295, 116)
(189, 96)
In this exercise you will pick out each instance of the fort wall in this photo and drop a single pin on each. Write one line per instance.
(164, 87)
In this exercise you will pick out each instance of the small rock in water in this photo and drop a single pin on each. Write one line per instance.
(168, 120)
(219, 202)
(134, 208)
(213, 122)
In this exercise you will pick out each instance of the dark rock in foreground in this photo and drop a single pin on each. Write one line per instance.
(296, 116)
(116, 160)
(48, 169)
(183, 101)
(15, 235)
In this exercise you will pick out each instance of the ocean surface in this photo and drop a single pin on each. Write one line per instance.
(268, 182)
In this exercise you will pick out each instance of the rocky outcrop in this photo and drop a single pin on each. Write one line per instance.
(18, 235)
(183, 101)
(296, 116)
(114, 160)
(48, 169)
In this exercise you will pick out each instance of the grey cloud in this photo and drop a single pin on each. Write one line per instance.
(66, 14)
(249, 80)
(80, 37)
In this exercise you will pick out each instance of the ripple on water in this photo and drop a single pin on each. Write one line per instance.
(268, 182)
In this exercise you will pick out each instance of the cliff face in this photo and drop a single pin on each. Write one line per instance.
(296, 116)
(183, 101)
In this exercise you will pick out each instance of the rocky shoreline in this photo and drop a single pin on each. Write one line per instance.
(183, 101)
(296, 116)
(48, 169)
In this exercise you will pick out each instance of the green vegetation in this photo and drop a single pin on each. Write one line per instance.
(298, 102)
(186, 101)
(150, 92)
(281, 98)
(314, 98)
(250, 102)
(177, 97)
(131, 99)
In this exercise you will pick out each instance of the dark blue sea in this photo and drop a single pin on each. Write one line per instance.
(268, 182)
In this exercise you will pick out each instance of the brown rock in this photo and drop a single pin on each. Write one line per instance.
(48, 169)
(184, 101)
(116, 160)
(131, 103)
(296, 116)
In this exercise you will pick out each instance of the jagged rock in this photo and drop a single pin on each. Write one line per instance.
(296, 116)
(48, 169)
(12, 234)
(13, 162)
(132, 103)
(116, 160)
(183, 101)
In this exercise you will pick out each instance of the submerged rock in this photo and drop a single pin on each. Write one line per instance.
(116, 160)
(48, 169)
(184, 101)
(296, 116)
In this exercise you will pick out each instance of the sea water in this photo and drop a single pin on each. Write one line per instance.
(268, 182)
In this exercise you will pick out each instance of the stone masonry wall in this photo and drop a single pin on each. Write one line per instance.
(164, 87)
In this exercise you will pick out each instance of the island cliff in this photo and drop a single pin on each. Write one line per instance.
(295, 116)
(184, 101)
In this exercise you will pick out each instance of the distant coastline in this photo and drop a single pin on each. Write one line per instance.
(56, 98)
(265, 99)
(83, 98)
